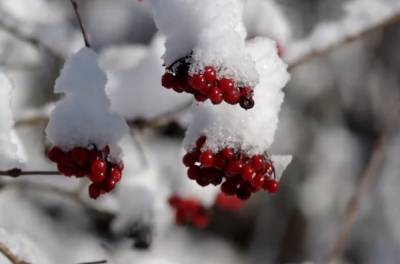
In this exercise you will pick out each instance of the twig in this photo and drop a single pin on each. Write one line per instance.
(367, 178)
(80, 22)
(17, 33)
(94, 262)
(10, 255)
(347, 39)
(15, 173)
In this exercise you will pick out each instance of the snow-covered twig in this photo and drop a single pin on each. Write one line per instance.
(80, 22)
(318, 52)
(10, 255)
(366, 180)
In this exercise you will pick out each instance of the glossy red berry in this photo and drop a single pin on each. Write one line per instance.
(210, 74)
(98, 167)
(215, 95)
(246, 92)
(232, 96)
(190, 158)
(94, 191)
(234, 167)
(198, 82)
(258, 182)
(167, 80)
(207, 159)
(225, 85)
(97, 177)
(200, 97)
(248, 172)
(271, 185)
(258, 163)
(109, 185)
(116, 174)
(228, 153)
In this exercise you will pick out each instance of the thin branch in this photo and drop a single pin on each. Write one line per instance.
(17, 33)
(94, 262)
(366, 180)
(15, 173)
(80, 22)
(14, 259)
(347, 39)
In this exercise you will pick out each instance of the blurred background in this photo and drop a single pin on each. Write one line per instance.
(338, 200)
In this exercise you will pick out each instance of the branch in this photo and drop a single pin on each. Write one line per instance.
(80, 22)
(17, 33)
(345, 40)
(367, 178)
(10, 256)
(94, 262)
(15, 173)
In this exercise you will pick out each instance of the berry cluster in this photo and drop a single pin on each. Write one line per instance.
(189, 211)
(242, 175)
(91, 163)
(206, 85)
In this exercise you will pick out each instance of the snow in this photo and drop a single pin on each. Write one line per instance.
(265, 18)
(360, 14)
(11, 152)
(134, 85)
(253, 130)
(212, 29)
(83, 116)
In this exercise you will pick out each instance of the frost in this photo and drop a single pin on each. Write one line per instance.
(134, 81)
(12, 154)
(212, 31)
(83, 116)
(251, 131)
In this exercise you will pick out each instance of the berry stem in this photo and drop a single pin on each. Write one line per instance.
(80, 22)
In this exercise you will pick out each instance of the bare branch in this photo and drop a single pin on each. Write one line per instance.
(94, 262)
(15, 173)
(10, 255)
(367, 178)
(347, 39)
(80, 22)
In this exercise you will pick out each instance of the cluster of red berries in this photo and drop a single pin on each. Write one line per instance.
(206, 85)
(189, 211)
(91, 163)
(241, 175)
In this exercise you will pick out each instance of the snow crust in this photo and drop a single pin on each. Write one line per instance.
(83, 116)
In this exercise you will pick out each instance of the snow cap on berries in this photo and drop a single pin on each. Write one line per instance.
(253, 130)
(11, 152)
(83, 116)
(211, 31)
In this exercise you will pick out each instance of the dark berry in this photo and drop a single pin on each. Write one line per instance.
(207, 159)
(167, 80)
(229, 187)
(55, 154)
(193, 172)
(94, 191)
(200, 142)
(247, 103)
(80, 155)
(190, 158)
(243, 193)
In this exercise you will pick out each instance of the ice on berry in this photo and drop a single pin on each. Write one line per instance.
(83, 116)
(11, 153)
(253, 130)
(210, 31)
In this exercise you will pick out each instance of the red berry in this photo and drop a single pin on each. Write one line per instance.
(232, 96)
(234, 167)
(258, 163)
(116, 174)
(65, 170)
(220, 162)
(97, 177)
(210, 74)
(258, 182)
(94, 191)
(215, 95)
(207, 159)
(174, 201)
(228, 153)
(80, 155)
(229, 187)
(246, 92)
(248, 172)
(217, 180)
(225, 85)
(271, 185)
(193, 173)
(94, 155)
(200, 142)
(98, 167)
(200, 97)
(109, 185)
(243, 193)
(200, 221)
(202, 182)
(190, 158)
(55, 154)
(197, 82)
(246, 103)
(168, 80)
